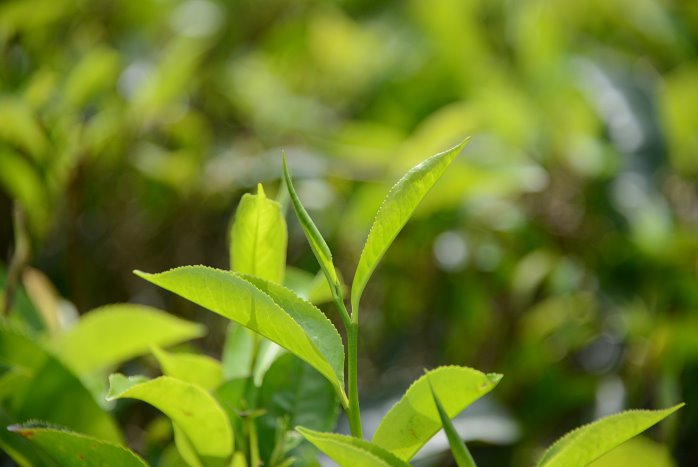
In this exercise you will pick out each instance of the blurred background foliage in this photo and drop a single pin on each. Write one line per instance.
(561, 249)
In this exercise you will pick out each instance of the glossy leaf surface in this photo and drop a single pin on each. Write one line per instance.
(112, 334)
(70, 449)
(258, 238)
(276, 313)
(415, 418)
(589, 442)
(348, 451)
(398, 206)
(194, 410)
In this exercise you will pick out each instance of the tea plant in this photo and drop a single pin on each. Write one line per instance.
(283, 368)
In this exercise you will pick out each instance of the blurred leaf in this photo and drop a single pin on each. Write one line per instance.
(282, 317)
(393, 214)
(587, 443)
(348, 451)
(201, 370)
(44, 389)
(73, 449)
(20, 127)
(458, 449)
(414, 419)
(237, 352)
(258, 238)
(112, 334)
(194, 410)
(95, 72)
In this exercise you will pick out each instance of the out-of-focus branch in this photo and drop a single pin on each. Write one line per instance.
(19, 255)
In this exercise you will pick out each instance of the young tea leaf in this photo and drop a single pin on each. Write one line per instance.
(398, 206)
(201, 370)
(258, 238)
(111, 334)
(414, 419)
(70, 449)
(194, 410)
(460, 451)
(317, 243)
(275, 313)
(587, 443)
(348, 451)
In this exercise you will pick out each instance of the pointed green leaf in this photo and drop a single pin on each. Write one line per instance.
(589, 442)
(460, 451)
(109, 335)
(275, 313)
(415, 419)
(185, 448)
(194, 410)
(70, 449)
(258, 238)
(317, 243)
(349, 451)
(201, 370)
(398, 206)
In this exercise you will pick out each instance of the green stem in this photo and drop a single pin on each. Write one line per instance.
(354, 413)
(352, 328)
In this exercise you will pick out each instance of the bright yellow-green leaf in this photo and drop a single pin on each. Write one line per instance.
(589, 442)
(192, 409)
(639, 450)
(348, 451)
(70, 449)
(458, 449)
(258, 238)
(415, 418)
(109, 335)
(276, 313)
(317, 243)
(201, 370)
(398, 206)
(185, 448)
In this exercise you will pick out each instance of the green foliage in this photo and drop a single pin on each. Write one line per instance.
(585, 444)
(460, 452)
(113, 334)
(200, 370)
(393, 214)
(195, 412)
(70, 449)
(301, 329)
(415, 418)
(258, 238)
(347, 450)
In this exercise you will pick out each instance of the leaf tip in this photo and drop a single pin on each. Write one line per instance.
(494, 378)
(141, 274)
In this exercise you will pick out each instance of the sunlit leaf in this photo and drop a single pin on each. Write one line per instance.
(201, 370)
(70, 449)
(415, 419)
(194, 410)
(458, 449)
(348, 451)
(585, 444)
(396, 209)
(258, 238)
(275, 313)
(112, 334)
(317, 243)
